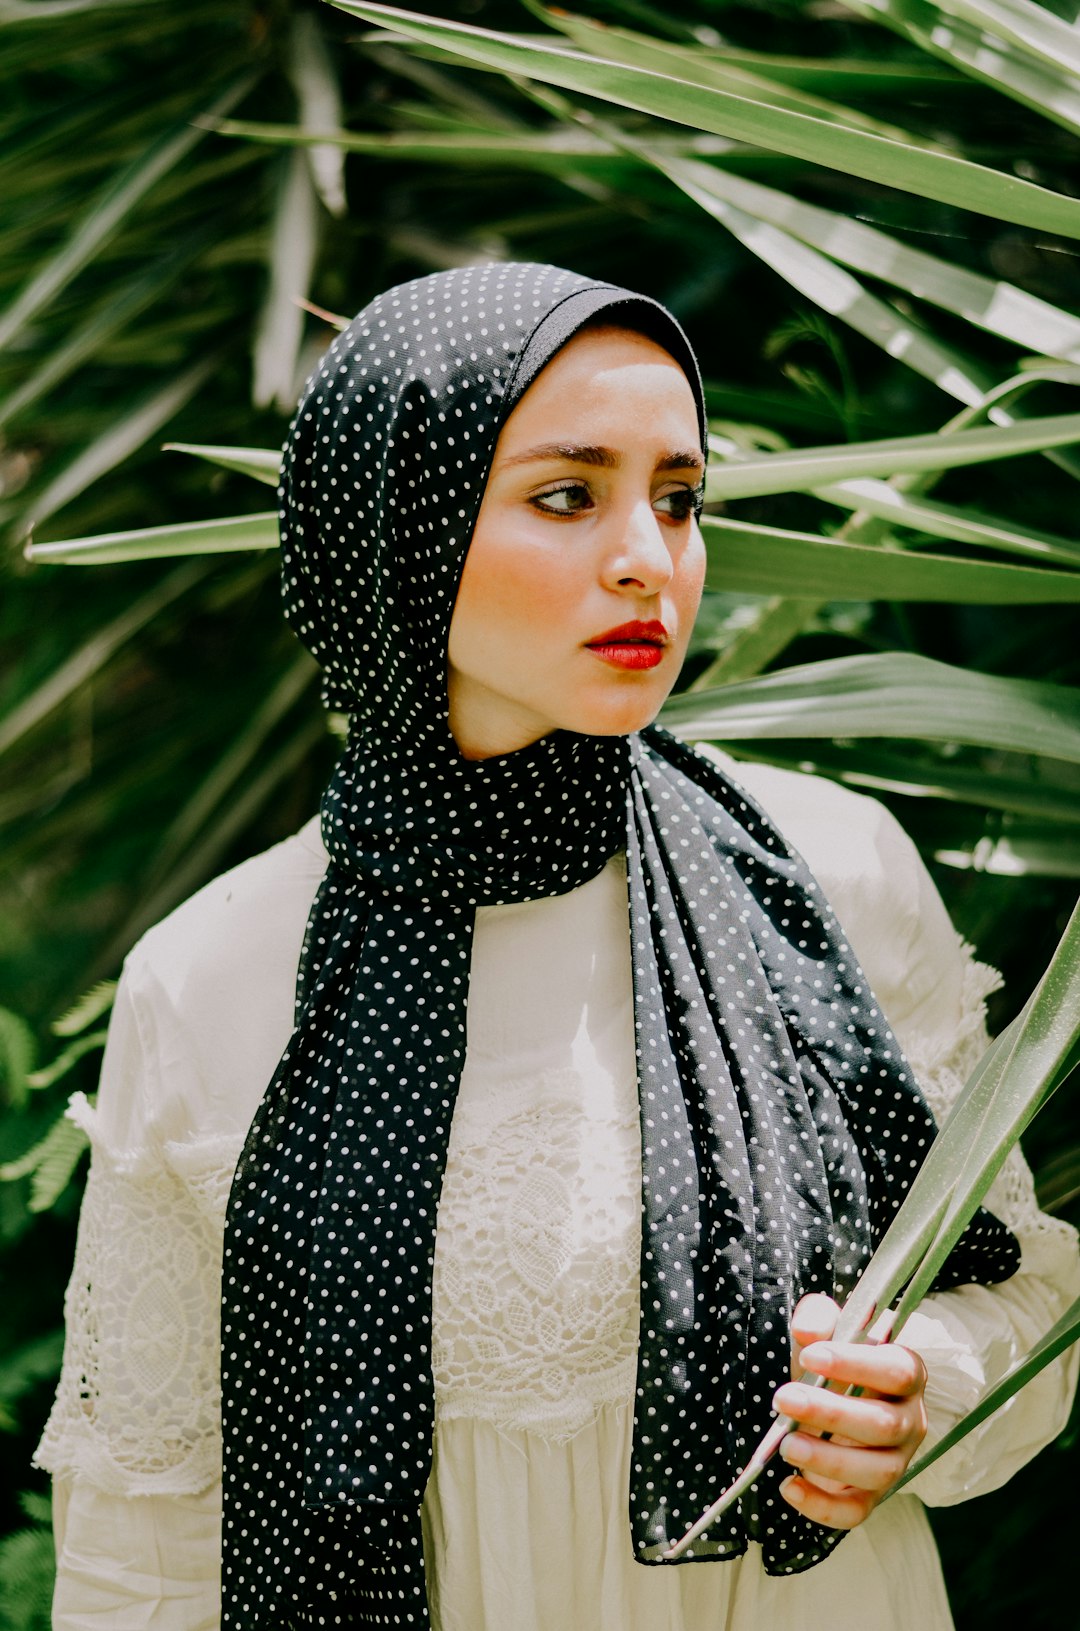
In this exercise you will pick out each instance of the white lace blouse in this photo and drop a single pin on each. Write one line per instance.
(536, 1273)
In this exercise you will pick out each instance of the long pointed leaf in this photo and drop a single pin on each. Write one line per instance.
(747, 558)
(1046, 788)
(699, 67)
(293, 246)
(261, 463)
(1032, 29)
(1061, 1335)
(1022, 1076)
(311, 69)
(965, 526)
(92, 657)
(120, 439)
(1051, 90)
(849, 75)
(1014, 1077)
(897, 694)
(928, 174)
(803, 469)
(816, 276)
(239, 532)
(549, 150)
(908, 1238)
(107, 212)
(992, 304)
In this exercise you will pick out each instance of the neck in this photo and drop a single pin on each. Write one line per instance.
(484, 727)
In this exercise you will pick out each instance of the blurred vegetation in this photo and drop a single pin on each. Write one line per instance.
(170, 193)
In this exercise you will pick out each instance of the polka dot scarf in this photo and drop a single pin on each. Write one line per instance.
(780, 1127)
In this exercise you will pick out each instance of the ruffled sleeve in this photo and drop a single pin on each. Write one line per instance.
(933, 991)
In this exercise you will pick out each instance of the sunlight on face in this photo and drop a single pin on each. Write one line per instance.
(586, 526)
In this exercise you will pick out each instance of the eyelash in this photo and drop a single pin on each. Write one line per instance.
(692, 497)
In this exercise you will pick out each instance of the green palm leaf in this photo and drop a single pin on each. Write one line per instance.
(930, 174)
(240, 532)
(1050, 87)
(897, 694)
(748, 558)
(805, 469)
(107, 212)
(1062, 1334)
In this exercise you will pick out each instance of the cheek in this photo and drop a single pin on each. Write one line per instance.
(689, 581)
(511, 591)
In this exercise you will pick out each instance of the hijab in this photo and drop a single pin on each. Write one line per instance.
(780, 1126)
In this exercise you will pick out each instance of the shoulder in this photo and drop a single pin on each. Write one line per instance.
(244, 914)
(873, 878)
(211, 986)
(838, 832)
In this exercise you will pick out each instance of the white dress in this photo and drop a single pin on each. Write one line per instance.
(536, 1275)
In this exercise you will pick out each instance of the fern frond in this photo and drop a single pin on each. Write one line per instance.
(50, 1073)
(28, 1570)
(17, 1054)
(35, 1361)
(86, 1009)
(36, 1505)
(50, 1163)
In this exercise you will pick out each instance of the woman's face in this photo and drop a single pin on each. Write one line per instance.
(586, 526)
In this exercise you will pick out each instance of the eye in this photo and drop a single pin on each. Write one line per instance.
(570, 499)
(683, 501)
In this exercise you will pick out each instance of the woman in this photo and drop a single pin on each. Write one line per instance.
(658, 1141)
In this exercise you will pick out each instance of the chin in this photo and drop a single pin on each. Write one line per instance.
(620, 719)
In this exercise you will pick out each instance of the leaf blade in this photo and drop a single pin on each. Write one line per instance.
(749, 558)
(893, 695)
(239, 532)
(106, 213)
(804, 469)
(929, 174)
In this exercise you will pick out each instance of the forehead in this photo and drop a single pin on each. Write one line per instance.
(608, 380)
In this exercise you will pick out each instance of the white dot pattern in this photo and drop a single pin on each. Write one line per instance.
(780, 1127)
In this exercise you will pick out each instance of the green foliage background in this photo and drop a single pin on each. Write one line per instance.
(156, 722)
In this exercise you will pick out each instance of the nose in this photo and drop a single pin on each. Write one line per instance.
(640, 557)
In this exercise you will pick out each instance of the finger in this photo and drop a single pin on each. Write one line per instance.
(814, 1320)
(843, 1465)
(888, 1369)
(868, 1421)
(837, 1510)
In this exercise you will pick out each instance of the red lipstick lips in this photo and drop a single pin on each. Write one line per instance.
(631, 645)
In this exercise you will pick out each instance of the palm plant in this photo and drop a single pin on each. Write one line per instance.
(872, 238)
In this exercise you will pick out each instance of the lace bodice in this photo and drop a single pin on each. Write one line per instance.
(536, 1283)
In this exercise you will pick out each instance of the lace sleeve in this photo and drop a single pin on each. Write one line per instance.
(137, 1407)
(202, 1014)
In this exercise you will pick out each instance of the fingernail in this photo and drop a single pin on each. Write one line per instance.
(791, 1491)
(817, 1353)
(794, 1398)
(790, 1452)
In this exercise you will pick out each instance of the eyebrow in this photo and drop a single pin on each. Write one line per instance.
(606, 457)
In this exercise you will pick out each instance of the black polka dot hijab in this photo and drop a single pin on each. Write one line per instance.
(780, 1126)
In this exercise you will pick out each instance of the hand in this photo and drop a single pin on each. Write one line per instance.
(873, 1437)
